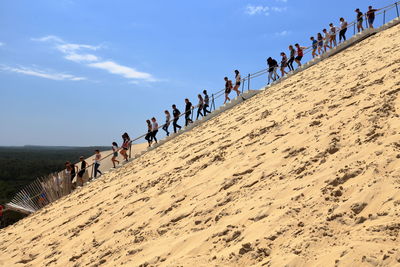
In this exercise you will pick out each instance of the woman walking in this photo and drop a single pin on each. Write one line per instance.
(167, 121)
(228, 89)
(238, 79)
(154, 129)
(283, 63)
(148, 136)
(320, 40)
(82, 171)
(300, 53)
(126, 143)
(200, 106)
(291, 59)
(97, 158)
(343, 30)
(115, 153)
(206, 103)
(327, 38)
(314, 44)
(332, 33)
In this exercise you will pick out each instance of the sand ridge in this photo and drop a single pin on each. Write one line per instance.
(305, 174)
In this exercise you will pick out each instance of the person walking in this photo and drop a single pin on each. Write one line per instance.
(175, 113)
(272, 67)
(360, 20)
(154, 131)
(343, 30)
(371, 16)
(126, 143)
(228, 89)
(320, 40)
(238, 79)
(327, 38)
(115, 153)
(206, 103)
(167, 122)
(314, 44)
(188, 112)
(292, 56)
(284, 63)
(149, 136)
(332, 33)
(97, 158)
(81, 172)
(70, 170)
(300, 54)
(200, 106)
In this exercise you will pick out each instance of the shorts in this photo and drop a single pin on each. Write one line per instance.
(359, 23)
(81, 173)
(125, 148)
(321, 43)
(115, 154)
(238, 83)
(283, 64)
(299, 58)
(227, 91)
(371, 21)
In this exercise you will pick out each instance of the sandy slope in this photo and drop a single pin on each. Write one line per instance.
(307, 174)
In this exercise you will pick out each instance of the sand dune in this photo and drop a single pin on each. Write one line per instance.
(305, 174)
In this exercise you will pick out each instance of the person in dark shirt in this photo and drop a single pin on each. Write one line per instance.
(149, 136)
(206, 103)
(371, 16)
(83, 167)
(272, 67)
(360, 20)
(200, 106)
(291, 57)
(228, 89)
(175, 113)
(188, 112)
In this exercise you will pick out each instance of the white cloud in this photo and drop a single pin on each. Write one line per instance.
(124, 71)
(43, 74)
(282, 33)
(265, 10)
(76, 53)
(81, 57)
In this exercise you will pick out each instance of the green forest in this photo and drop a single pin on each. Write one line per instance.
(19, 166)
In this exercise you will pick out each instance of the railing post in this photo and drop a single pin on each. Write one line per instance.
(366, 22)
(244, 80)
(384, 17)
(212, 103)
(397, 9)
(248, 82)
(354, 29)
(130, 150)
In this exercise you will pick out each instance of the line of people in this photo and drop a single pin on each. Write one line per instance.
(319, 45)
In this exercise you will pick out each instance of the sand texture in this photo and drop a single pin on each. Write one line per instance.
(305, 174)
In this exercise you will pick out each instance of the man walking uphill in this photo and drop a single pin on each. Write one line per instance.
(175, 113)
(188, 112)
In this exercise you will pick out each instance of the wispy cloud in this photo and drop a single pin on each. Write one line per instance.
(282, 33)
(127, 72)
(264, 10)
(42, 73)
(79, 53)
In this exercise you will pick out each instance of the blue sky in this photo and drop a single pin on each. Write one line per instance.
(82, 72)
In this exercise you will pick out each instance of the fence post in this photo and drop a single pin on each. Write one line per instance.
(384, 17)
(397, 9)
(212, 103)
(130, 150)
(244, 80)
(366, 22)
(248, 82)
(354, 29)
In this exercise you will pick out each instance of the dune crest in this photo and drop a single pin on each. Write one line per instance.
(304, 174)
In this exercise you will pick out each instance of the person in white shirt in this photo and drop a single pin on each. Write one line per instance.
(167, 122)
(238, 79)
(154, 128)
(97, 158)
(343, 30)
(327, 38)
(332, 33)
